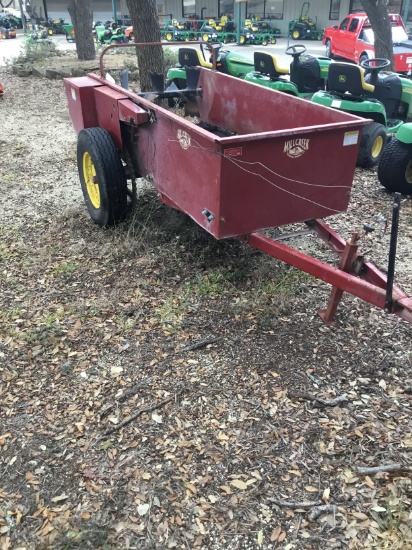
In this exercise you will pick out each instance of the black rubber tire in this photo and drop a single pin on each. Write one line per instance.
(395, 167)
(371, 136)
(363, 57)
(329, 49)
(110, 176)
(296, 34)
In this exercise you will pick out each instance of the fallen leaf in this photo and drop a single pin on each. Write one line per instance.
(378, 508)
(239, 484)
(326, 494)
(275, 533)
(157, 418)
(142, 509)
(59, 498)
(191, 487)
(115, 371)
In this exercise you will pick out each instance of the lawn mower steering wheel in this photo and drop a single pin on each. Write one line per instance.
(213, 48)
(296, 50)
(380, 63)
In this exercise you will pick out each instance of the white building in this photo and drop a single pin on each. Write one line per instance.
(324, 12)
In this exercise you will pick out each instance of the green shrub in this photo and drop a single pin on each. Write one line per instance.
(36, 49)
(169, 59)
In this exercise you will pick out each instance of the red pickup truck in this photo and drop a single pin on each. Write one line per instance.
(353, 39)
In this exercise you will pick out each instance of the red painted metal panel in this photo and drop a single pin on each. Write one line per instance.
(184, 164)
(80, 98)
(108, 112)
(132, 113)
(247, 108)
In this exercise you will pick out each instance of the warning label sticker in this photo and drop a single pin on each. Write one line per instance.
(351, 138)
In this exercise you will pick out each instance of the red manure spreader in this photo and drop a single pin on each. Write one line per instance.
(250, 159)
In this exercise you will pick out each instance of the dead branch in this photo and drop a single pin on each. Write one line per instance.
(129, 393)
(320, 403)
(149, 408)
(371, 471)
(314, 514)
(201, 344)
(294, 505)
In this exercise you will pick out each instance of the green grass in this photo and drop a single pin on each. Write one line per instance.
(65, 268)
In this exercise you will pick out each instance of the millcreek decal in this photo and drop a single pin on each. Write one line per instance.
(184, 139)
(296, 147)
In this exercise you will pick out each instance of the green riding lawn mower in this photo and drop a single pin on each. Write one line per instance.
(369, 92)
(304, 27)
(395, 166)
(306, 75)
(226, 62)
(109, 35)
(258, 33)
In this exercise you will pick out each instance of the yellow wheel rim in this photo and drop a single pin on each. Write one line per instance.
(295, 35)
(377, 147)
(205, 37)
(408, 173)
(169, 36)
(242, 40)
(264, 43)
(90, 178)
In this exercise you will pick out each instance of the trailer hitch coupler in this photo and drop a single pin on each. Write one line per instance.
(392, 251)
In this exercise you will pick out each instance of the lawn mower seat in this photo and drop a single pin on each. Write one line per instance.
(388, 90)
(191, 57)
(267, 64)
(220, 25)
(251, 25)
(347, 78)
(306, 74)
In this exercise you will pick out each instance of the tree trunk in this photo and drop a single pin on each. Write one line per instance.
(377, 12)
(81, 14)
(146, 29)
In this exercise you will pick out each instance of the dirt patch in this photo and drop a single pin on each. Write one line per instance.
(113, 60)
(97, 325)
